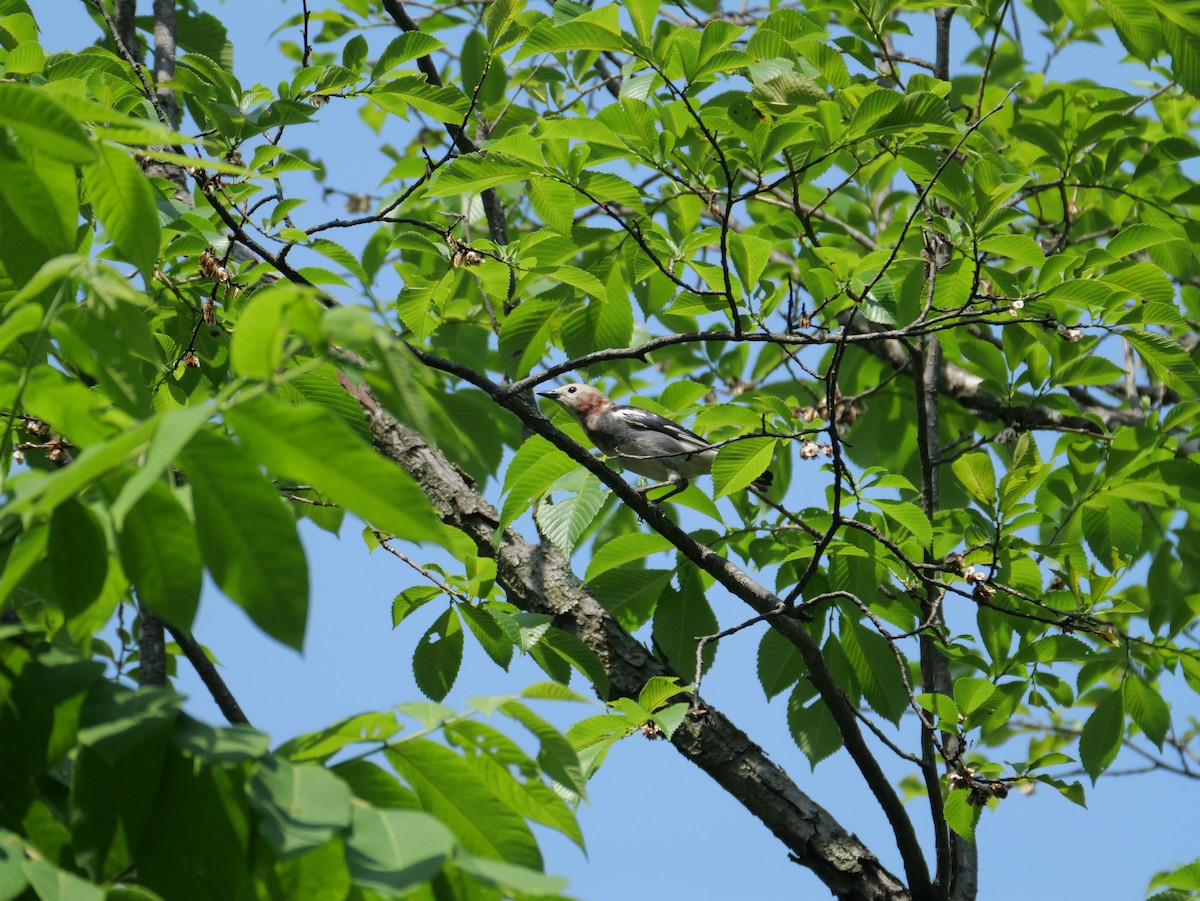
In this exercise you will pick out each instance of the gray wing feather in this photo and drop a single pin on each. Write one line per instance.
(644, 419)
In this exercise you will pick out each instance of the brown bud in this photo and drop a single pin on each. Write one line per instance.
(651, 730)
(190, 360)
(983, 592)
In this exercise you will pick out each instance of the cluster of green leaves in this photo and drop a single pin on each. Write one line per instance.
(104, 786)
(786, 179)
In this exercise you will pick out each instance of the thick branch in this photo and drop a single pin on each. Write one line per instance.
(208, 674)
(152, 650)
(164, 57)
(538, 578)
(738, 583)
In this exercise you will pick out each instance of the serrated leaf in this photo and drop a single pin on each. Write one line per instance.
(554, 203)
(474, 173)
(161, 557)
(438, 656)
(566, 519)
(679, 619)
(318, 449)
(124, 203)
(35, 117)
(624, 549)
(1147, 708)
(1166, 360)
(405, 47)
(779, 663)
(961, 815)
(390, 851)
(910, 517)
(411, 599)
(813, 728)
(741, 462)
(977, 476)
(1101, 737)
(534, 468)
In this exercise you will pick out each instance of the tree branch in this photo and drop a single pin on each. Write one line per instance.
(208, 674)
(538, 578)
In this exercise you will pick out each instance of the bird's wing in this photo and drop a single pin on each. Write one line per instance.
(652, 422)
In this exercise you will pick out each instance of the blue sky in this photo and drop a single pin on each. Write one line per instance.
(655, 826)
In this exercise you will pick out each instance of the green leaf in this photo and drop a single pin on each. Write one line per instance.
(566, 520)
(961, 815)
(445, 104)
(36, 118)
(248, 538)
(972, 694)
(308, 444)
(680, 618)
(534, 468)
(1089, 370)
(78, 556)
(579, 655)
(514, 880)
(451, 791)
(813, 727)
(750, 255)
(630, 594)
(1166, 360)
(161, 556)
(555, 754)
(260, 336)
(977, 476)
(554, 203)
(741, 462)
(1112, 529)
(488, 633)
(1186, 878)
(408, 46)
(390, 851)
(124, 203)
(32, 202)
(474, 173)
(624, 549)
(53, 884)
(1147, 708)
(779, 663)
(1102, 733)
(1138, 236)
(303, 806)
(438, 656)
(910, 517)
(597, 29)
(1022, 248)
(878, 674)
(411, 599)
(524, 334)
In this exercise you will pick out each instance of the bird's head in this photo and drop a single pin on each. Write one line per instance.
(577, 398)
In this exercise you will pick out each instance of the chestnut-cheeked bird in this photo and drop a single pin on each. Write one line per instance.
(642, 442)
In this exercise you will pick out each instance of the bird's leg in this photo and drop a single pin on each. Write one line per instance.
(676, 480)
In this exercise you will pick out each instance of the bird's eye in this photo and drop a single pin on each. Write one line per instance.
(572, 390)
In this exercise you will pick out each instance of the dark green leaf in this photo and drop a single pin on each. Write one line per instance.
(438, 656)
(248, 538)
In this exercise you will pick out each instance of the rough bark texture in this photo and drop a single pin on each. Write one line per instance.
(152, 650)
(538, 578)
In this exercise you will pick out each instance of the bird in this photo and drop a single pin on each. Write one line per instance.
(643, 442)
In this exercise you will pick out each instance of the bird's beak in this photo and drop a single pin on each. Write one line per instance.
(548, 393)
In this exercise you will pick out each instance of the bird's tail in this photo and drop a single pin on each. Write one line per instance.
(764, 481)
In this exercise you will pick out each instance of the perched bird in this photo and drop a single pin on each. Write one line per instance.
(643, 442)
